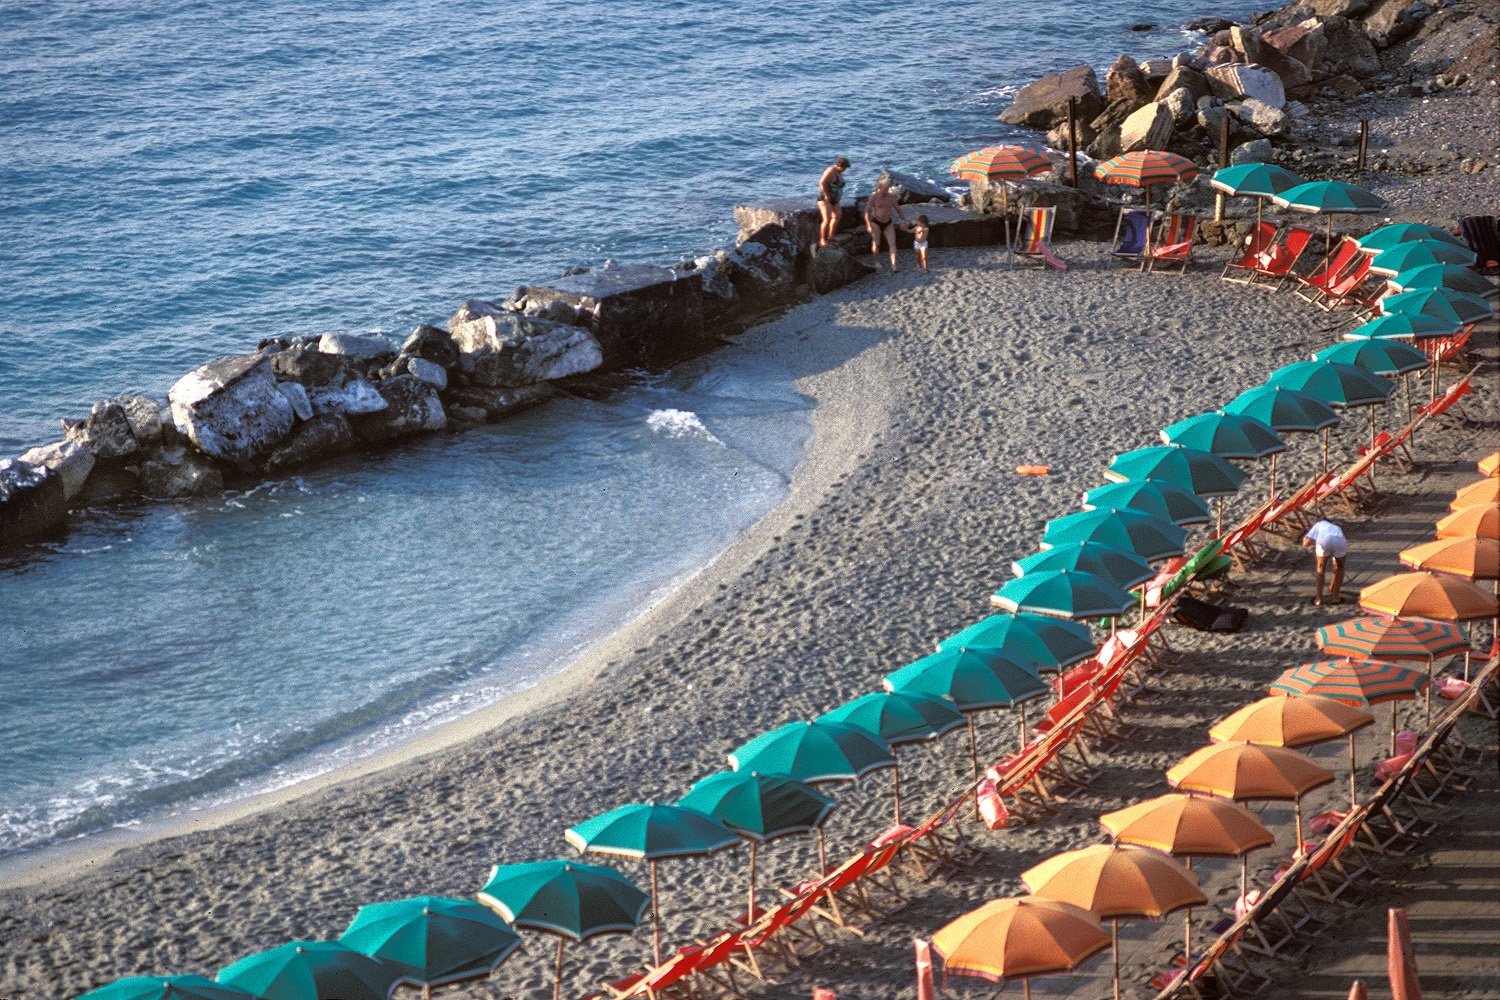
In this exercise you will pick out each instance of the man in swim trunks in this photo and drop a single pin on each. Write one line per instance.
(830, 193)
(1330, 543)
(881, 213)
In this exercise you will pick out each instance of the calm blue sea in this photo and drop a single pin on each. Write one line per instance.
(181, 179)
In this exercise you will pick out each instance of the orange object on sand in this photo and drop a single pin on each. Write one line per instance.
(1486, 490)
(1489, 465)
(1034, 470)
(1428, 595)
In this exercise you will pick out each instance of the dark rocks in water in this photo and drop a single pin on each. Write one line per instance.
(432, 344)
(1143, 26)
(308, 366)
(496, 403)
(317, 439)
(149, 418)
(297, 395)
(355, 397)
(1209, 25)
(798, 216)
(831, 267)
(412, 407)
(231, 409)
(763, 267)
(180, 473)
(1043, 104)
(637, 312)
(360, 349)
(506, 349)
(433, 374)
(33, 502)
(911, 190)
(105, 431)
(1125, 81)
(70, 460)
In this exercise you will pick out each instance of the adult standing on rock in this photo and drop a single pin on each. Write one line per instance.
(881, 213)
(830, 194)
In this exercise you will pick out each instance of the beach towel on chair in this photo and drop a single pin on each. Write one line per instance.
(1206, 617)
(1479, 232)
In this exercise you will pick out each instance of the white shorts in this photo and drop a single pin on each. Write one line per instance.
(919, 246)
(1337, 551)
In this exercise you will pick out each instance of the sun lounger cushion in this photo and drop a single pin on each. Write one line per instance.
(1452, 688)
(1389, 768)
(991, 806)
(1206, 617)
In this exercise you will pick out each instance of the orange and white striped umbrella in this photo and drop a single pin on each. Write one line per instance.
(1145, 168)
(1000, 163)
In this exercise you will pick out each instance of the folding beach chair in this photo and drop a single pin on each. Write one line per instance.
(1260, 240)
(939, 845)
(1345, 289)
(1130, 234)
(714, 973)
(1034, 241)
(1176, 244)
(1479, 232)
(668, 979)
(1313, 286)
(1277, 260)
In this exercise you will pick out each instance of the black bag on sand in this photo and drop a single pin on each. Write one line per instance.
(1206, 617)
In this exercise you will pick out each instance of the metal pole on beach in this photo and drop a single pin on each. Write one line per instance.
(1221, 198)
(1364, 144)
(1072, 143)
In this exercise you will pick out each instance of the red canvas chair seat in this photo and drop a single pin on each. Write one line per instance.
(893, 835)
(1177, 242)
(1261, 238)
(1277, 261)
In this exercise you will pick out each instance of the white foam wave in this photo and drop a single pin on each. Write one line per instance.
(679, 424)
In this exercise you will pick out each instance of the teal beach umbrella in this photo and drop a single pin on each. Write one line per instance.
(1064, 593)
(572, 900)
(1285, 410)
(1149, 537)
(1441, 303)
(1121, 568)
(1329, 198)
(899, 716)
(815, 752)
(1255, 180)
(1387, 237)
(1378, 357)
(760, 808)
(1047, 644)
(1337, 384)
(1449, 276)
(432, 941)
(1150, 496)
(1230, 435)
(1200, 472)
(166, 988)
(311, 970)
(1403, 326)
(1419, 253)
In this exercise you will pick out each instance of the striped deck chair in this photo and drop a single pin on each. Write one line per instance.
(1176, 247)
(1315, 284)
(1258, 242)
(1034, 241)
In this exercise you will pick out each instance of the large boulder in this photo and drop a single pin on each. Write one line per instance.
(359, 348)
(148, 417)
(105, 431)
(1389, 21)
(831, 267)
(1347, 50)
(1184, 78)
(33, 501)
(506, 349)
(637, 312)
(1079, 213)
(432, 344)
(296, 394)
(70, 460)
(1256, 51)
(231, 409)
(798, 216)
(1124, 81)
(1304, 41)
(1180, 104)
(430, 372)
(763, 267)
(319, 438)
(353, 398)
(1235, 80)
(911, 189)
(412, 407)
(308, 366)
(1148, 128)
(497, 403)
(179, 473)
(1044, 103)
(1255, 151)
(1266, 119)
(1338, 8)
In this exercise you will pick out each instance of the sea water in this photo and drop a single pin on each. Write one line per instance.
(181, 179)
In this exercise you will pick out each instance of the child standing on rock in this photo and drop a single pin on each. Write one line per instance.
(919, 240)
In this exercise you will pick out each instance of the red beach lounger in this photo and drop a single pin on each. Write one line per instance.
(1316, 283)
(1276, 263)
(1263, 236)
(1176, 244)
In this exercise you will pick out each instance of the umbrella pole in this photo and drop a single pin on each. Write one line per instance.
(1406, 393)
(1298, 852)
(1393, 727)
(896, 774)
(1022, 745)
(426, 991)
(655, 916)
(1353, 796)
(1325, 451)
(1010, 246)
(1429, 690)
(1219, 518)
(750, 919)
(1187, 938)
(1244, 874)
(1147, 257)
(557, 981)
(1114, 938)
(974, 757)
(1272, 497)
(822, 854)
(1025, 988)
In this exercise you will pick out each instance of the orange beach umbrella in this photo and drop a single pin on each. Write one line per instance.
(1470, 558)
(1486, 490)
(1191, 826)
(1489, 465)
(1296, 721)
(1428, 595)
(1481, 520)
(1019, 938)
(1250, 772)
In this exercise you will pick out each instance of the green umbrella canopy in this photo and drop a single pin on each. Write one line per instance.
(1284, 409)
(1064, 593)
(1230, 435)
(312, 970)
(1048, 644)
(761, 807)
(1334, 382)
(649, 831)
(1256, 180)
(1149, 537)
(1442, 303)
(568, 898)
(899, 717)
(430, 940)
(166, 988)
(974, 679)
(1404, 326)
(1151, 496)
(1378, 357)
(1388, 236)
(1329, 198)
(1417, 253)
(1201, 472)
(815, 751)
(1449, 276)
(1121, 568)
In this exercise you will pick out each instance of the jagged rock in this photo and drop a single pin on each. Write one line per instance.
(433, 374)
(507, 349)
(1113, 116)
(296, 394)
(1180, 104)
(1260, 53)
(105, 431)
(1304, 41)
(1209, 25)
(317, 439)
(1184, 78)
(309, 367)
(715, 278)
(1124, 81)
(231, 408)
(1389, 21)
(1148, 128)
(1239, 80)
(1044, 103)
(1347, 50)
(1212, 121)
(1058, 137)
(432, 344)
(70, 460)
(763, 267)
(497, 403)
(832, 268)
(798, 216)
(352, 346)
(911, 190)
(1338, 8)
(146, 417)
(412, 407)
(353, 397)
(1269, 120)
(1257, 151)
(636, 312)
(32, 501)
(180, 474)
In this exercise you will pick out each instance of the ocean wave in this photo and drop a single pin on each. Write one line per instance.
(680, 424)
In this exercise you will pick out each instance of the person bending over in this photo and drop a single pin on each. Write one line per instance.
(830, 194)
(881, 213)
(1329, 542)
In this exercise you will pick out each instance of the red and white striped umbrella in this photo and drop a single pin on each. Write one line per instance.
(1000, 163)
(1145, 168)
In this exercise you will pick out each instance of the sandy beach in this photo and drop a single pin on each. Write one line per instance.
(905, 516)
